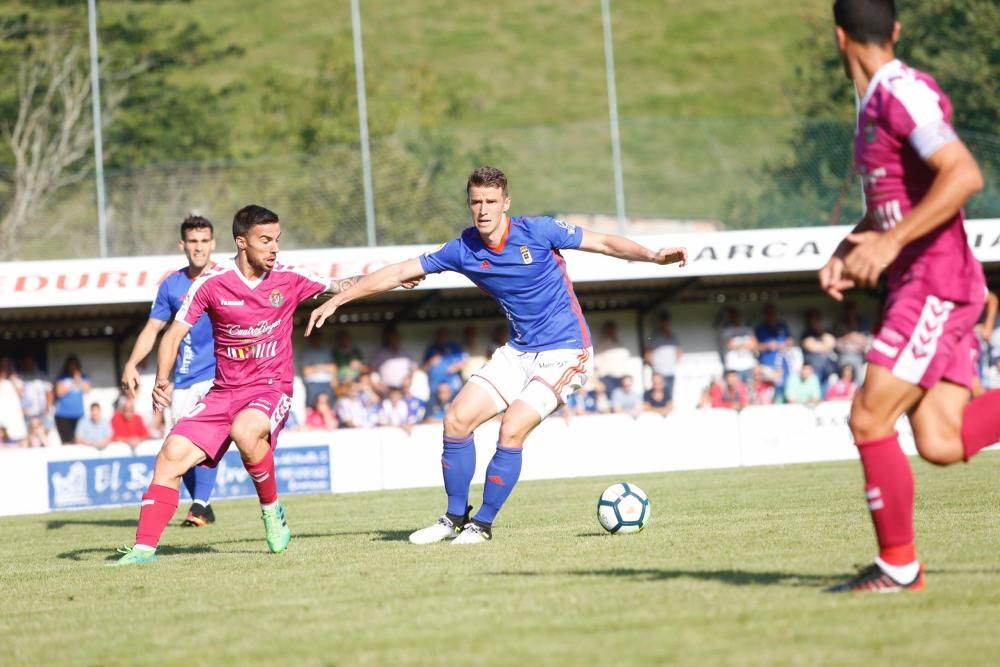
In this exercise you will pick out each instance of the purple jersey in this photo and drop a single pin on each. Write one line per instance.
(251, 321)
(902, 120)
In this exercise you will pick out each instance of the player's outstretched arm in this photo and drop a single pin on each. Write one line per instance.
(623, 248)
(166, 357)
(957, 178)
(385, 279)
(143, 346)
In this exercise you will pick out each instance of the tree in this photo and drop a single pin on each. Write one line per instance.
(954, 40)
(50, 135)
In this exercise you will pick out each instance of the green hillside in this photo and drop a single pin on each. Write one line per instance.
(451, 85)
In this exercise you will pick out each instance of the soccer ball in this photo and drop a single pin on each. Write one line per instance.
(623, 508)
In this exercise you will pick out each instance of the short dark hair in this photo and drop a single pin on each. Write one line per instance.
(251, 216)
(487, 177)
(866, 21)
(196, 222)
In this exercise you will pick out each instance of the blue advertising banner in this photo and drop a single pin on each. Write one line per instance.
(122, 481)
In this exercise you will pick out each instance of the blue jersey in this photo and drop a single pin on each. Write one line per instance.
(527, 276)
(196, 357)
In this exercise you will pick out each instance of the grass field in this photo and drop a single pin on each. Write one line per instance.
(728, 572)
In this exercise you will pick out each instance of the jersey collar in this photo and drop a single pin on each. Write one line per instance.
(503, 240)
(881, 74)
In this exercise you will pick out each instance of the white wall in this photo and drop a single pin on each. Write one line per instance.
(388, 458)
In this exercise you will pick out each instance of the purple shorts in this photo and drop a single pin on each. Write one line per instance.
(925, 339)
(208, 424)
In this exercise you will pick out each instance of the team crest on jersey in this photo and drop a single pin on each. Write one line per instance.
(526, 255)
(871, 132)
(276, 298)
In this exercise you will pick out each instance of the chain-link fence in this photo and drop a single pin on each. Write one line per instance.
(740, 173)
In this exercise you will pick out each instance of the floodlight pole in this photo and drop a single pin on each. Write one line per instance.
(616, 146)
(366, 159)
(95, 102)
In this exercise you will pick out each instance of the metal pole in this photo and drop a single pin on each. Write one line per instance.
(95, 101)
(616, 146)
(366, 158)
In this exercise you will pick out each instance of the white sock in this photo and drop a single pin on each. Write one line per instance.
(144, 547)
(902, 574)
(203, 503)
(268, 506)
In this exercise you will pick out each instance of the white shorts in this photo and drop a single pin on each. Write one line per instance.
(185, 399)
(543, 380)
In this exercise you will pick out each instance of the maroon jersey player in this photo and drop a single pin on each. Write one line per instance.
(917, 175)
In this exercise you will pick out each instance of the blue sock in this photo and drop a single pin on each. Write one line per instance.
(501, 476)
(458, 464)
(189, 481)
(204, 483)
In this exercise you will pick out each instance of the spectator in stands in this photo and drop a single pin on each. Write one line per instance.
(319, 373)
(663, 353)
(416, 407)
(984, 332)
(611, 357)
(853, 338)
(392, 364)
(739, 345)
(476, 357)
(347, 358)
(36, 391)
(438, 405)
(773, 337)
(844, 386)
(94, 430)
(39, 435)
(730, 393)
(320, 416)
(819, 347)
(803, 387)
(395, 412)
(580, 402)
(7, 441)
(657, 399)
(127, 426)
(70, 387)
(626, 398)
(762, 389)
(11, 412)
(353, 410)
(443, 361)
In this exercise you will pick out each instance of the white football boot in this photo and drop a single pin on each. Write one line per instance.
(441, 530)
(473, 533)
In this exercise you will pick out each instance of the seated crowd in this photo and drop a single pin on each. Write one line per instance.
(762, 365)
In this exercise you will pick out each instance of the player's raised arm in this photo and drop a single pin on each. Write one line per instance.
(166, 357)
(623, 248)
(385, 279)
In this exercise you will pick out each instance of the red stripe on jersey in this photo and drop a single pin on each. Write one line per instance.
(573, 303)
(503, 241)
(570, 372)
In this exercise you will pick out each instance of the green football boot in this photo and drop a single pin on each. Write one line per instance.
(276, 528)
(133, 556)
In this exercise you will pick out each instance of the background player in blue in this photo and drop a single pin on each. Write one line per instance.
(517, 261)
(195, 367)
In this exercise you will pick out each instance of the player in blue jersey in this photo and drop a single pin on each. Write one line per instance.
(195, 367)
(516, 261)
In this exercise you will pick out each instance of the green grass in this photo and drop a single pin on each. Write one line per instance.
(728, 572)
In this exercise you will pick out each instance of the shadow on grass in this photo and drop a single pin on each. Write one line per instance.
(219, 546)
(730, 577)
(391, 535)
(56, 524)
